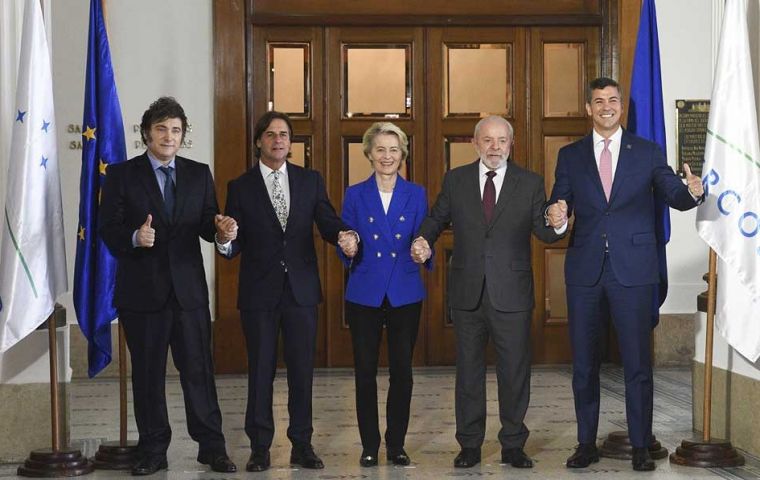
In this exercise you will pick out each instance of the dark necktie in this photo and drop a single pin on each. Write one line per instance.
(169, 192)
(489, 196)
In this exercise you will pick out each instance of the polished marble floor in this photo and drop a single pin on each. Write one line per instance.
(430, 442)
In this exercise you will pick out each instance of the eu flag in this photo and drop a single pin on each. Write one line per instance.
(646, 119)
(102, 145)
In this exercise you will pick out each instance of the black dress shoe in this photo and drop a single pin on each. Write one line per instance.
(219, 462)
(642, 461)
(516, 457)
(368, 459)
(149, 465)
(399, 457)
(258, 461)
(585, 454)
(468, 457)
(304, 456)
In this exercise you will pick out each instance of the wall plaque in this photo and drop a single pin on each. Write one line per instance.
(691, 134)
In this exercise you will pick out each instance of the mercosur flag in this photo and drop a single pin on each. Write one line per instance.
(728, 220)
(32, 255)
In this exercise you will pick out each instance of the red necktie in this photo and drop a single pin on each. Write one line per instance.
(489, 196)
(605, 168)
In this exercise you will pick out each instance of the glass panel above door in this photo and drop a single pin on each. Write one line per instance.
(478, 79)
(377, 81)
(289, 79)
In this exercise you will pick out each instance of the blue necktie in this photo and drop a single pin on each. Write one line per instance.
(169, 190)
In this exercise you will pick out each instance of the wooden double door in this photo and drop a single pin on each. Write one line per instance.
(435, 83)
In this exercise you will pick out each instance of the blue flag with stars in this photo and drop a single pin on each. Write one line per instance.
(102, 145)
(646, 118)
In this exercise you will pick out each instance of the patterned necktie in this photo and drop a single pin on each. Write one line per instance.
(169, 192)
(278, 200)
(605, 168)
(489, 196)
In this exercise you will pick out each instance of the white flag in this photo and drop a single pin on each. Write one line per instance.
(729, 219)
(32, 255)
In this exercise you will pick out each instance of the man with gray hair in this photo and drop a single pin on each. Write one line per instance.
(493, 207)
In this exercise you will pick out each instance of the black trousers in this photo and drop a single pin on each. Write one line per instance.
(366, 325)
(299, 332)
(188, 333)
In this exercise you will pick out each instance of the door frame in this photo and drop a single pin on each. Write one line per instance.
(234, 51)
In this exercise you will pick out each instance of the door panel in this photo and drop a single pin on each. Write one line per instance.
(435, 83)
(563, 60)
(372, 75)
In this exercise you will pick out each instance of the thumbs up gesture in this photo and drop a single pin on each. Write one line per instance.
(693, 182)
(146, 235)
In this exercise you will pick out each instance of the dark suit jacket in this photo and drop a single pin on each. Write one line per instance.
(498, 252)
(266, 250)
(384, 266)
(627, 223)
(146, 276)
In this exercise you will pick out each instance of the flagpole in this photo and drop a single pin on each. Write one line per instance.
(710, 452)
(57, 461)
(121, 455)
(55, 418)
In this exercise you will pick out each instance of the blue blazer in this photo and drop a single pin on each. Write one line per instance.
(626, 224)
(383, 265)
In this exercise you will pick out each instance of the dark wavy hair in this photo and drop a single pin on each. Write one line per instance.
(600, 84)
(160, 110)
(261, 126)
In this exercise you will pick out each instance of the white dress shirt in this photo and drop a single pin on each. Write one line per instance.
(267, 175)
(498, 179)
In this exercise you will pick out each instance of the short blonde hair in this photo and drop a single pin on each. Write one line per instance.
(385, 128)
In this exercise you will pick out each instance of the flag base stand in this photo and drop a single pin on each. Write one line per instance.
(115, 456)
(55, 463)
(714, 453)
(618, 446)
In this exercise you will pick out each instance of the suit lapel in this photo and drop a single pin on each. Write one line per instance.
(183, 186)
(398, 203)
(374, 205)
(508, 187)
(624, 164)
(150, 184)
(589, 165)
(471, 189)
(295, 181)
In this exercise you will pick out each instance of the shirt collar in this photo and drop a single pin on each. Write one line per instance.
(156, 164)
(499, 171)
(266, 171)
(615, 137)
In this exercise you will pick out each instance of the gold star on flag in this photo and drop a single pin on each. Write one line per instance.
(81, 233)
(102, 166)
(89, 133)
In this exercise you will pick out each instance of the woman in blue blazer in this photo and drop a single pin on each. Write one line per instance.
(384, 287)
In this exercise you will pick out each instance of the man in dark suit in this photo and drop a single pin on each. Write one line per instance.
(609, 180)
(270, 213)
(493, 206)
(153, 209)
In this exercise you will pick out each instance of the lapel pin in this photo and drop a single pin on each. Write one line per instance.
(628, 146)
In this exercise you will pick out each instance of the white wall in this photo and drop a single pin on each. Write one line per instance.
(157, 48)
(686, 63)
(689, 36)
